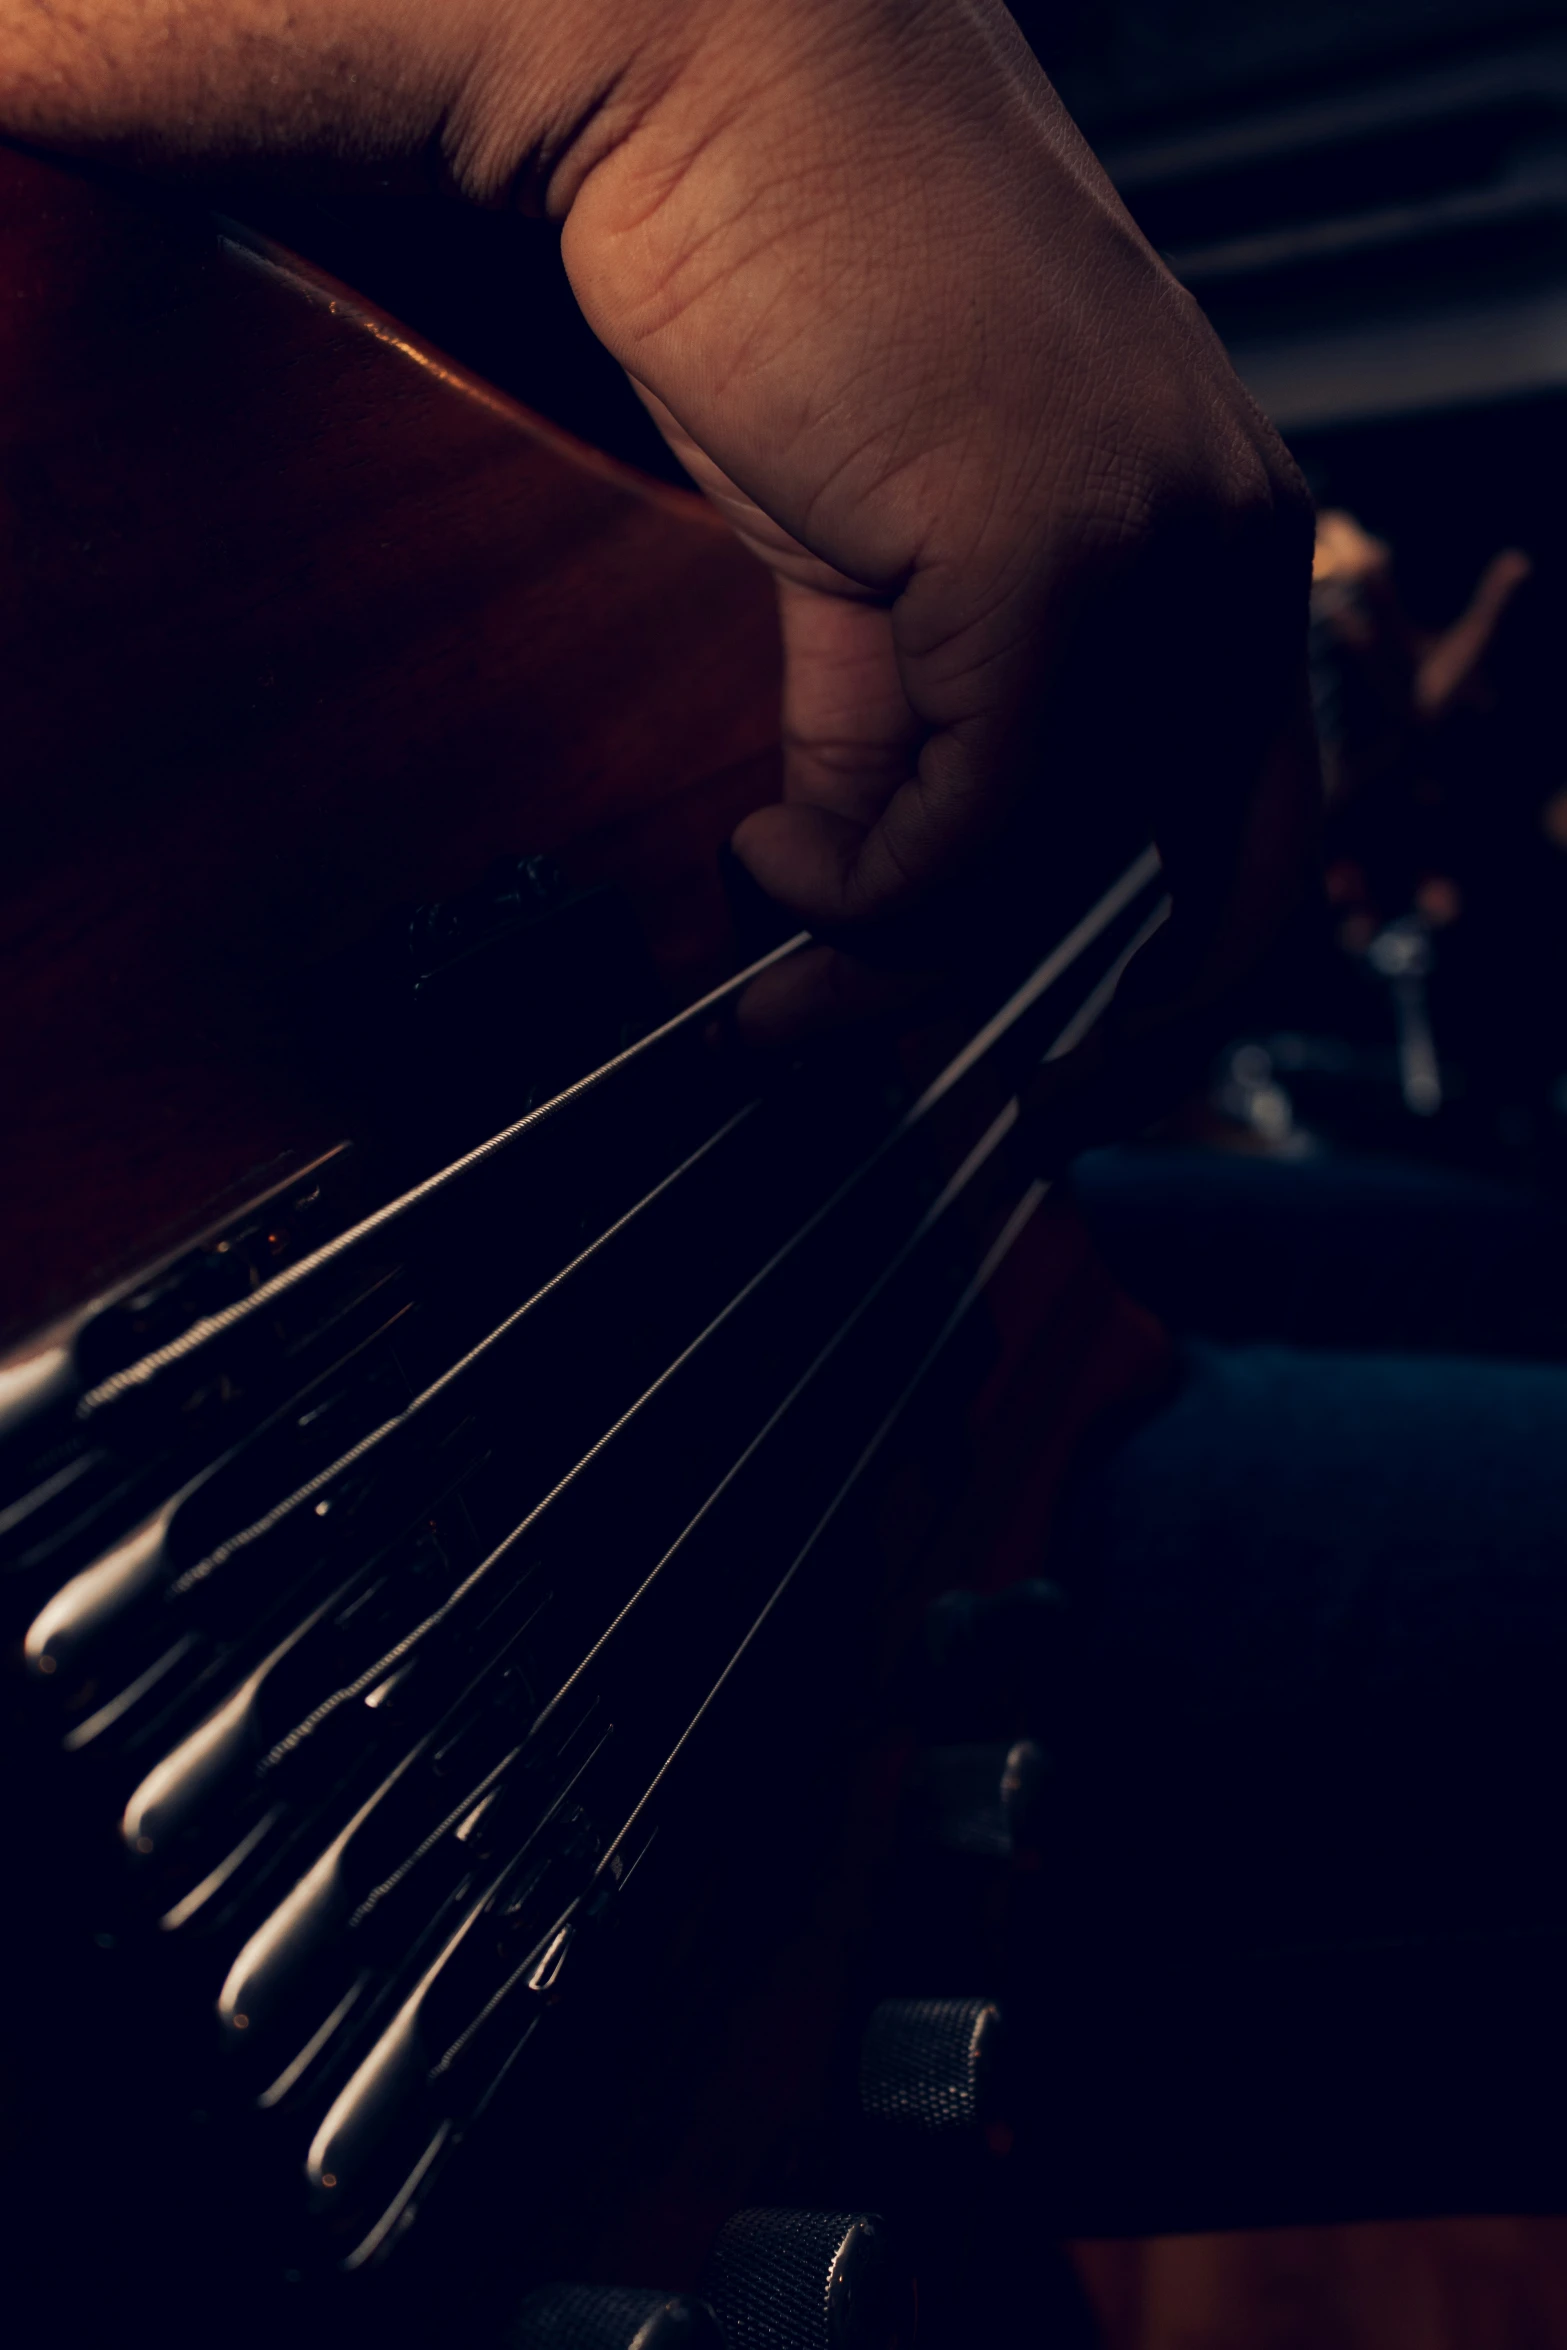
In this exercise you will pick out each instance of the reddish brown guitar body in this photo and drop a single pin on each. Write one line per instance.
(303, 627)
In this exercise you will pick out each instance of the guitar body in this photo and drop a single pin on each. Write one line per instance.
(301, 627)
(369, 752)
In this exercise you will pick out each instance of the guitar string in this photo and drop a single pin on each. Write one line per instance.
(957, 1185)
(1061, 961)
(1029, 1202)
(1031, 1198)
(1071, 949)
(58, 1610)
(978, 1157)
(1079, 941)
(952, 1190)
(1077, 1027)
(556, 1937)
(262, 1300)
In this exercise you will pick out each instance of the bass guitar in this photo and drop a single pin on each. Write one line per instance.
(476, 1449)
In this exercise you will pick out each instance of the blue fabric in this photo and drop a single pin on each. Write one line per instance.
(1330, 1251)
(1322, 1615)
(1293, 1525)
(1302, 1926)
(1304, 1910)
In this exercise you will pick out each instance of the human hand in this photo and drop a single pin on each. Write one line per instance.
(1034, 544)
(1033, 541)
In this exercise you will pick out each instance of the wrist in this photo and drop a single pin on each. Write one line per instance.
(550, 93)
(756, 246)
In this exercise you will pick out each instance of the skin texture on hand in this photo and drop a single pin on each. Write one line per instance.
(1034, 544)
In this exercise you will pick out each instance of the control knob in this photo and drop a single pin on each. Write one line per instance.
(810, 2280)
(933, 2068)
(613, 2317)
(982, 1800)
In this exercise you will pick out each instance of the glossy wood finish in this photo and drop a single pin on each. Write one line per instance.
(1438, 2284)
(298, 624)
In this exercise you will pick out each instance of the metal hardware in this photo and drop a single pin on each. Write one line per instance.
(810, 2280)
(932, 2067)
(613, 2317)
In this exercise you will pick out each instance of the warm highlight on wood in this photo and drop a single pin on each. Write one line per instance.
(1437, 2284)
(299, 624)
